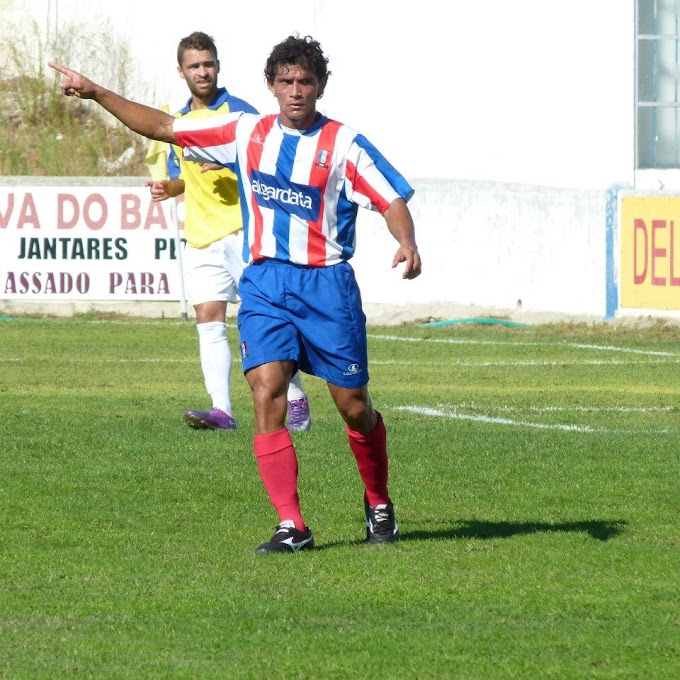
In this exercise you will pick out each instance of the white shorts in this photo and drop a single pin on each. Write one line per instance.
(213, 272)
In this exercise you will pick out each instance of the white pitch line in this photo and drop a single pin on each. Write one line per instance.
(575, 362)
(575, 345)
(120, 322)
(566, 409)
(592, 409)
(448, 341)
(392, 362)
(464, 364)
(521, 423)
(99, 360)
(609, 348)
(165, 322)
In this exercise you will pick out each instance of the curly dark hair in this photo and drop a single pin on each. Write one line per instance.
(296, 51)
(196, 41)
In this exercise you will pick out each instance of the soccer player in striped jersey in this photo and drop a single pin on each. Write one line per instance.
(214, 239)
(302, 178)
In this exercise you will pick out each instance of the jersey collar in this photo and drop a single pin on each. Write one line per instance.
(309, 131)
(221, 96)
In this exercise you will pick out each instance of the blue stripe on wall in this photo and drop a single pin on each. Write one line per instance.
(611, 282)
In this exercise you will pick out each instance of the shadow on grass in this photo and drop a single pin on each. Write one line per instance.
(601, 530)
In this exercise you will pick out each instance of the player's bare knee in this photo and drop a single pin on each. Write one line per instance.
(360, 417)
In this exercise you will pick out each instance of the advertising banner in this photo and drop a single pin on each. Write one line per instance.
(650, 252)
(89, 243)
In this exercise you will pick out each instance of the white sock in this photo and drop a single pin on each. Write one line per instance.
(295, 390)
(216, 362)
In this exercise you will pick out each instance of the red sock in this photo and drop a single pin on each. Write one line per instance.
(370, 452)
(278, 467)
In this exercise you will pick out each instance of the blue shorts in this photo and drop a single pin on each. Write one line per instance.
(310, 315)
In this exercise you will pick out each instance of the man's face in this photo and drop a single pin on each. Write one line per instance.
(200, 68)
(296, 89)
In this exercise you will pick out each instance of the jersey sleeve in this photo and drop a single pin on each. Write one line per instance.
(371, 181)
(237, 104)
(208, 140)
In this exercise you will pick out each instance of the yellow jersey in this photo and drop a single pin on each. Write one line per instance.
(211, 199)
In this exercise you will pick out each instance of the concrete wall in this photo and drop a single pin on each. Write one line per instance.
(510, 246)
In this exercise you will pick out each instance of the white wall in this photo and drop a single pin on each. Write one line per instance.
(510, 246)
(529, 91)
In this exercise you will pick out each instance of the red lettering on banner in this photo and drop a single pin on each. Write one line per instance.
(115, 279)
(639, 227)
(657, 253)
(53, 283)
(90, 221)
(4, 216)
(163, 287)
(68, 211)
(648, 249)
(130, 215)
(64, 200)
(155, 215)
(674, 280)
(143, 283)
(28, 215)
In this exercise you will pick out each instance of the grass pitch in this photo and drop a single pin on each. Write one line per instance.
(534, 472)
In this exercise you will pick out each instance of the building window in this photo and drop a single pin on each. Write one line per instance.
(657, 100)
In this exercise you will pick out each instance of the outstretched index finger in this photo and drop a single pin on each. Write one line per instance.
(60, 68)
(74, 83)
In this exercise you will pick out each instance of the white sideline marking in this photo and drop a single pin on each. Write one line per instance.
(143, 360)
(120, 322)
(593, 409)
(575, 345)
(421, 410)
(575, 362)
(160, 322)
(609, 348)
(450, 341)
(392, 362)
(99, 360)
(581, 409)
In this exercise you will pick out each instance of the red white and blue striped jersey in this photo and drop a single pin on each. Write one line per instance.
(300, 190)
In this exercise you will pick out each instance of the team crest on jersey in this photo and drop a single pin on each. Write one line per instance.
(322, 158)
(244, 349)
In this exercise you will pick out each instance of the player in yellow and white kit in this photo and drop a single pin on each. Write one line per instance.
(213, 225)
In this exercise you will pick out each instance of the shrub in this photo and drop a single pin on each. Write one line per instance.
(45, 133)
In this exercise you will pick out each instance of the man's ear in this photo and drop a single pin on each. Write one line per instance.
(218, 65)
(181, 73)
(322, 88)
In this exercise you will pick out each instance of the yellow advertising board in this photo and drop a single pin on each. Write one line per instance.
(650, 252)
